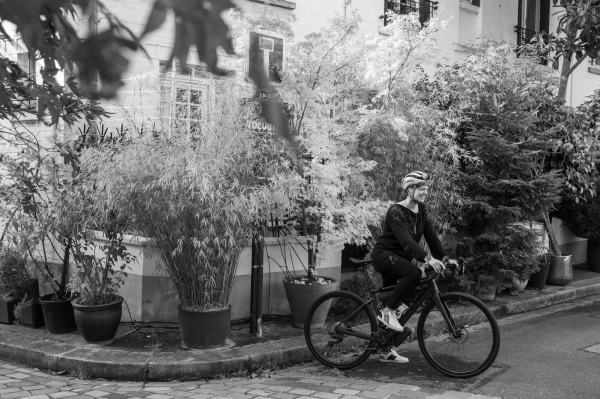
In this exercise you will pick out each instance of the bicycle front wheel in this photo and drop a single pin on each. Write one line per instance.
(466, 349)
(340, 330)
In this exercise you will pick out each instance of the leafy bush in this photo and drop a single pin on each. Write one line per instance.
(583, 217)
(498, 99)
(196, 198)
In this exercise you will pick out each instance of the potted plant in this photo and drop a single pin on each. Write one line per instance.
(101, 263)
(538, 279)
(195, 198)
(583, 219)
(30, 188)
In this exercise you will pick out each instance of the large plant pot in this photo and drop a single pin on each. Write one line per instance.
(538, 279)
(32, 315)
(204, 330)
(561, 270)
(593, 256)
(58, 315)
(7, 315)
(485, 288)
(518, 285)
(98, 323)
(302, 296)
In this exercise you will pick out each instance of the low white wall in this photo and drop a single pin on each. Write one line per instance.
(149, 294)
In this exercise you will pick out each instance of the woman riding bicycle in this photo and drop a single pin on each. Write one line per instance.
(405, 223)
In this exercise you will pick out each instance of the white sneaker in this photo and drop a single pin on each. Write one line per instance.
(388, 318)
(392, 357)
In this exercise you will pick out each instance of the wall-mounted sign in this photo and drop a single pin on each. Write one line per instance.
(265, 50)
(258, 124)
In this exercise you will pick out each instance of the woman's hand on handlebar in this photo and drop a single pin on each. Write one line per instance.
(436, 265)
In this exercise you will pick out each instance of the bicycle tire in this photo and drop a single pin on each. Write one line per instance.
(321, 319)
(472, 316)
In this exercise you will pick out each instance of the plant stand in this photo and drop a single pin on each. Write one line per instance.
(302, 296)
(593, 256)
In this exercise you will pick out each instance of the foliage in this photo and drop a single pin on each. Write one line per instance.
(357, 284)
(582, 218)
(499, 100)
(325, 182)
(28, 188)
(402, 129)
(96, 280)
(15, 280)
(578, 34)
(504, 253)
(196, 199)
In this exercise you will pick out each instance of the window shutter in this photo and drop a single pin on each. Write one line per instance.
(545, 16)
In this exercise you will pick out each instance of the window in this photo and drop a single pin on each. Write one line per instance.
(27, 63)
(185, 97)
(424, 8)
(534, 17)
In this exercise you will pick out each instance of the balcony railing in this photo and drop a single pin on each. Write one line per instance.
(524, 35)
(424, 8)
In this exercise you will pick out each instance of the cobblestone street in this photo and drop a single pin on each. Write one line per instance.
(291, 383)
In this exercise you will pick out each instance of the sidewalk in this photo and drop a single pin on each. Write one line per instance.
(153, 353)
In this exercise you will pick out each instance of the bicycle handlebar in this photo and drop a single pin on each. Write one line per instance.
(449, 266)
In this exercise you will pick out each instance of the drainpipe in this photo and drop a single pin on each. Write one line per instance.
(346, 5)
(256, 282)
(93, 22)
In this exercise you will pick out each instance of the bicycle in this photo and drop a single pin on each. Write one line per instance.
(350, 332)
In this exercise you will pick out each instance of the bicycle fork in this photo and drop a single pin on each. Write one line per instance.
(448, 319)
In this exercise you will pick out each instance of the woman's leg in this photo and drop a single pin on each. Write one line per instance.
(399, 272)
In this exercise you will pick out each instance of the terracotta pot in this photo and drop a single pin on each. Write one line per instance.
(58, 315)
(519, 285)
(32, 315)
(538, 279)
(561, 270)
(593, 256)
(486, 287)
(7, 315)
(98, 323)
(302, 296)
(204, 330)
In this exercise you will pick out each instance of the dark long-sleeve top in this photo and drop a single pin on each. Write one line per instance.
(399, 235)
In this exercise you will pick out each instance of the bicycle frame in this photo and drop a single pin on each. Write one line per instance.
(431, 290)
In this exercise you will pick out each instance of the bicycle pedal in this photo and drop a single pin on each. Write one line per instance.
(400, 338)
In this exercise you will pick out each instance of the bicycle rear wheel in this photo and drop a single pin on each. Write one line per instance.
(330, 324)
(470, 347)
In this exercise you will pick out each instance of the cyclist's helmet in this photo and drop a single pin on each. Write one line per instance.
(416, 179)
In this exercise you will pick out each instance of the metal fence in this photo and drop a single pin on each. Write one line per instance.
(424, 8)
